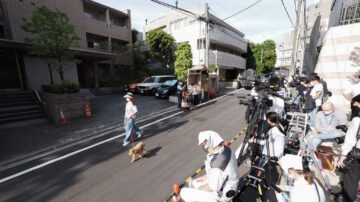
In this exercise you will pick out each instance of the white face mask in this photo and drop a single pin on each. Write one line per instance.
(128, 100)
(327, 112)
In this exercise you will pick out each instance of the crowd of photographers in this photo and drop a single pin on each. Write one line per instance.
(328, 123)
(268, 127)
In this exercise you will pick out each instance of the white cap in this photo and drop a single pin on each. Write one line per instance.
(212, 137)
(290, 161)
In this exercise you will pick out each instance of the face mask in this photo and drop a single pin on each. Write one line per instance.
(327, 112)
(128, 99)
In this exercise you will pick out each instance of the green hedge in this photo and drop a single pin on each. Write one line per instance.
(64, 88)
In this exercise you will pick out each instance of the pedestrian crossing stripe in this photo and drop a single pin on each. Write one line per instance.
(188, 180)
(198, 171)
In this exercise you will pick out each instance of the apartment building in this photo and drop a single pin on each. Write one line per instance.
(98, 26)
(227, 44)
(339, 61)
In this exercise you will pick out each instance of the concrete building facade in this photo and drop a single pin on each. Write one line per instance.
(284, 51)
(339, 57)
(99, 27)
(227, 44)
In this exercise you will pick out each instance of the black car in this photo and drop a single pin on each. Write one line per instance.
(167, 88)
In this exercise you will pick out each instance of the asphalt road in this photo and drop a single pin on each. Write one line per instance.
(104, 173)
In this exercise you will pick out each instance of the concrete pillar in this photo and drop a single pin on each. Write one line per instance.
(107, 15)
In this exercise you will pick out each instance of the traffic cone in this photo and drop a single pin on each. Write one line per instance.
(63, 120)
(176, 197)
(88, 112)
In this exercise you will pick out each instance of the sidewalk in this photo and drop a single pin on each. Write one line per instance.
(108, 112)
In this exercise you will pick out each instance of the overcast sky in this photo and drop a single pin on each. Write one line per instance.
(265, 20)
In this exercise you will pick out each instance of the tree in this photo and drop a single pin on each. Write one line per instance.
(183, 60)
(261, 57)
(213, 68)
(134, 34)
(161, 46)
(52, 36)
(269, 55)
(249, 56)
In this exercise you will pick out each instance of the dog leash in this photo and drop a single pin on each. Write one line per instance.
(132, 140)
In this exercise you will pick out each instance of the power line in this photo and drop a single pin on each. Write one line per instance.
(282, 1)
(242, 10)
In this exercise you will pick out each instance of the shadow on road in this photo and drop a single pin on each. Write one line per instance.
(152, 152)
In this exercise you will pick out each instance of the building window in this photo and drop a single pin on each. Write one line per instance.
(32, 4)
(93, 44)
(21, 1)
(90, 15)
(23, 19)
(201, 44)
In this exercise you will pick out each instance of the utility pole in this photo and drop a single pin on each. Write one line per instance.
(292, 64)
(207, 36)
(305, 37)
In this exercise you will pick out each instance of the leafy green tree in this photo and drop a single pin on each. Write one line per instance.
(134, 34)
(183, 60)
(261, 57)
(51, 37)
(213, 68)
(250, 57)
(269, 55)
(161, 46)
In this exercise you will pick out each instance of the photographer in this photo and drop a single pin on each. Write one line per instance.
(325, 125)
(275, 135)
(316, 94)
(305, 187)
(350, 156)
(220, 182)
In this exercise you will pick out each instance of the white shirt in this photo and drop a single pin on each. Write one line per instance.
(353, 90)
(216, 176)
(302, 191)
(276, 143)
(130, 109)
(350, 137)
(278, 105)
(317, 88)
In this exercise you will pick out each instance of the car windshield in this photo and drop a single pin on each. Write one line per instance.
(150, 80)
(170, 83)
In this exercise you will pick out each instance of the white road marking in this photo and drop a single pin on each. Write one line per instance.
(97, 144)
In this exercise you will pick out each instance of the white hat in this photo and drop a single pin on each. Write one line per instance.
(212, 137)
(128, 96)
(129, 93)
(290, 161)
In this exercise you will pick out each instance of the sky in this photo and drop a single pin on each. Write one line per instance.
(265, 20)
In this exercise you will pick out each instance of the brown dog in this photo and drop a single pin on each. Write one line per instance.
(139, 149)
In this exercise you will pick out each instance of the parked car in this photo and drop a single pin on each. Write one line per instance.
(168, 88)
(132, 87)
(151, 85)
(249, 83)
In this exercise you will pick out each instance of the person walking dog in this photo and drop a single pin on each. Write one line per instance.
(129, 119)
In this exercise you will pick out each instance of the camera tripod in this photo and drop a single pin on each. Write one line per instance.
(260, 163)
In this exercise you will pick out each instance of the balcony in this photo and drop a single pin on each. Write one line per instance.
(226, 59)
(228, 38)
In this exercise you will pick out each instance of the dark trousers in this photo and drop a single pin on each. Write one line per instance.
(179, 99)
(353, 110)
(350, 181)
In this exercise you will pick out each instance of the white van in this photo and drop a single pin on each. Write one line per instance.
(150, 86)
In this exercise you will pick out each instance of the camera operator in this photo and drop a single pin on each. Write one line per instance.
(316, 94)
(275, 135)
(220, 182)
(305, 187)
(350, 156)
(352, 92)
(325, 125)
